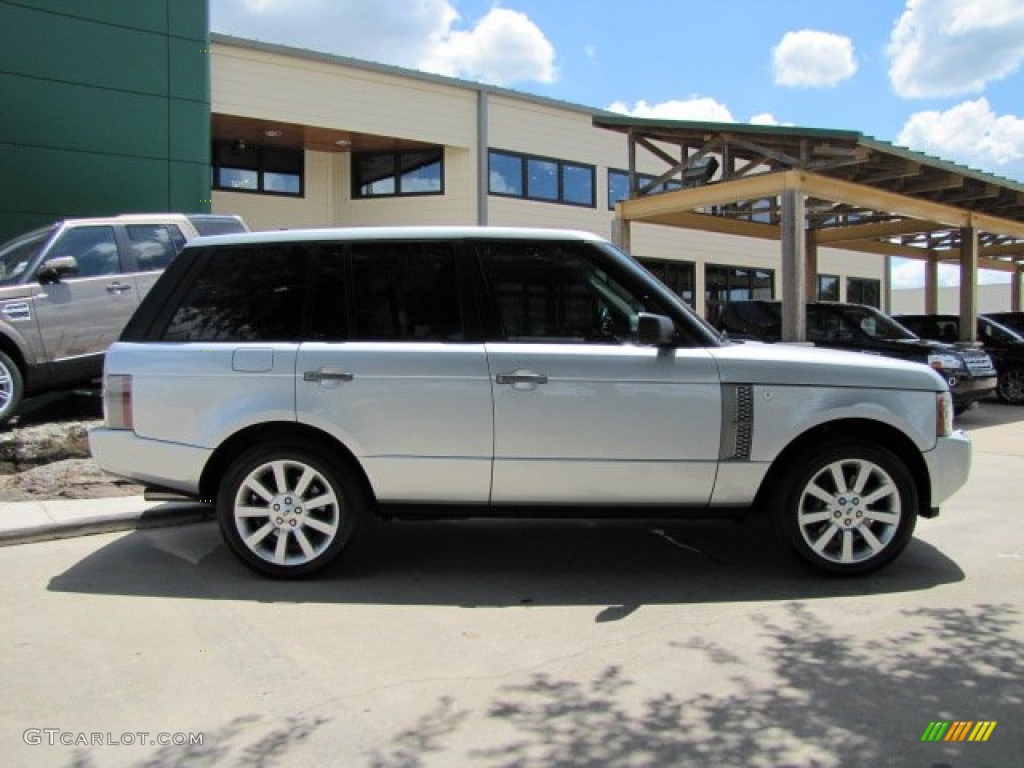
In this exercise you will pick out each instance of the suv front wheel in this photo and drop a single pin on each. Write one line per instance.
(1011, 385)
(848, 508)
(288, 511)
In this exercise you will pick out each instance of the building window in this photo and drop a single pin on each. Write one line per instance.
(618, 185)
(828, 287)
(723, 284)
(679, 276)
(864, 290)
(541, 178)
(394, 174)
(242, 167)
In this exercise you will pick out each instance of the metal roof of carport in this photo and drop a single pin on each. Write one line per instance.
(848, 191)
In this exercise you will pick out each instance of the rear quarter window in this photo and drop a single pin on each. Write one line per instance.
(243, 293)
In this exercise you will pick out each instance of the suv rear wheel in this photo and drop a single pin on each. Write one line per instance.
(849, 509)
(288, 511)
(11, 388)
(1010, 387)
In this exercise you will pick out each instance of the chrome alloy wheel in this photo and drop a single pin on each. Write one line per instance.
(286, 512)
(849, 511)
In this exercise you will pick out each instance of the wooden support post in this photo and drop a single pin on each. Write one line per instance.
(811, 268)
(1015, 290)
(968, 284)
(794, 261)
(931, 284)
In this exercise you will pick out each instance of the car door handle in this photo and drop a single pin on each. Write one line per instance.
(118, 287)
(318, 377)
(521, 379)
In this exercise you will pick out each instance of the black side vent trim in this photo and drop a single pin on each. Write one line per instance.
(737, 422)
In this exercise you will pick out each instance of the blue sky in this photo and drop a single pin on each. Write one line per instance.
(940, 76)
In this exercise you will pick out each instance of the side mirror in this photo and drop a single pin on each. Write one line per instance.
(654, 330)
(53, 270)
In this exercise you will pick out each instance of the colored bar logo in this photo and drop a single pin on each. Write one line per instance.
(959, 730)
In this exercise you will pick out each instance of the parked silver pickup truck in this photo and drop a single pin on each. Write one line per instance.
(305, 380)
(67, 290)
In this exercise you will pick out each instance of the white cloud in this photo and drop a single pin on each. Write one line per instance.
(764, 118)
(698, 108)
(813, 59)
(969, 133)
(503, 47)
(952, 47)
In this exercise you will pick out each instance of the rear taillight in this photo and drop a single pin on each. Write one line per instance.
(944, 414)
(117, 401)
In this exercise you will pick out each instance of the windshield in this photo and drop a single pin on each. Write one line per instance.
(875, 324)
(993, 331)
(18, 255)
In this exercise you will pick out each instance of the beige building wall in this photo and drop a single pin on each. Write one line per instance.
(991, 298)
(297, 87)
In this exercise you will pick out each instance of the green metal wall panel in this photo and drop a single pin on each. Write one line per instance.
(82, 118)
(138, 14)
(105, 108)
(62, 48)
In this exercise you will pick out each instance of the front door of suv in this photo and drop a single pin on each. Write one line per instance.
(582, 415)
(389, 370)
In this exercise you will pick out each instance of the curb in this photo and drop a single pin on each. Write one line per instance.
(158, 517)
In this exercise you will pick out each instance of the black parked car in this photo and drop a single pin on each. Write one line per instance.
(860, 328)
(1004, 345)
(1012, 320)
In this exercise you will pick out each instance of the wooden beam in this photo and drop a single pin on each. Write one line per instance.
(719, 224)
(872, 231)
(721, 193)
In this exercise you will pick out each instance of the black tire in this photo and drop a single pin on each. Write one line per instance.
(274, 532)
(1010, 386)
(12, 388)
(845, 508)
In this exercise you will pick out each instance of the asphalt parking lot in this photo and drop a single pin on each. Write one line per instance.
(526, 645)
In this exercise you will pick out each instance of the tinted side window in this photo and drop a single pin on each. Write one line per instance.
(94, 248)
(406, 291)
(246, 293)
(552, 291)
(329, 321)
(154, 245)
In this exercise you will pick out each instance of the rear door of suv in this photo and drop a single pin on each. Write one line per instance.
(389, 368)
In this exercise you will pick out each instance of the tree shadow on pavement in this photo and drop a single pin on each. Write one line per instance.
(833, 702)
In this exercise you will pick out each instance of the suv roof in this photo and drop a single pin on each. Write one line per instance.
(404, 233)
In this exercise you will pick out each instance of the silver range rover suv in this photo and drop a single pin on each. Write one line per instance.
(305, 380)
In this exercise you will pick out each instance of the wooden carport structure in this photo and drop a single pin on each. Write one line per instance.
(810, 187)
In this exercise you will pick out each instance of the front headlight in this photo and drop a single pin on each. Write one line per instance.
(942, 362)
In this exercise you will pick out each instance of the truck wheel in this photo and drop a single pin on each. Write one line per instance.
(11, 388)
(1010, 386)
(288, 511)
(846, 508)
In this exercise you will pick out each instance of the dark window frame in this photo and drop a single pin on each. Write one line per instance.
(821, 288)
(855, 290)
(642, 178)
(651, 265)
(561, 196)
(732, 271)
(262, 161)
(396, 174)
